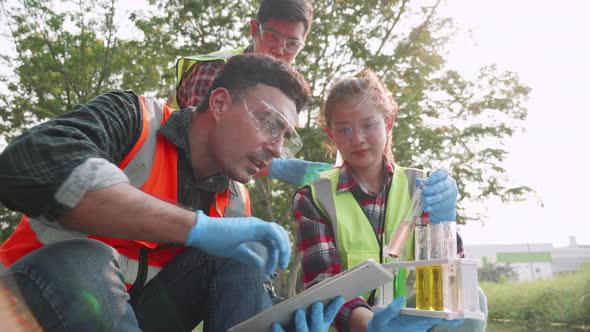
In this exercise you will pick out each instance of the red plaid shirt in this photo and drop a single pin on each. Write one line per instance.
(320, 259)
(195, 82)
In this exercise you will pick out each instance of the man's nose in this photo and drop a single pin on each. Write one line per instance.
(275, 147)
(278, 51)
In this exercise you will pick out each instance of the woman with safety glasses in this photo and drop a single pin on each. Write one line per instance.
(349, 214)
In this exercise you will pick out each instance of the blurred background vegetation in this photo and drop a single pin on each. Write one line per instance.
(534, 305)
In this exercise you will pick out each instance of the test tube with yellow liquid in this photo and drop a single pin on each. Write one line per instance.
(422, 288)
(429, 287)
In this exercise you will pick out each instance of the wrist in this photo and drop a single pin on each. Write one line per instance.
(193, 234)
(358, 319)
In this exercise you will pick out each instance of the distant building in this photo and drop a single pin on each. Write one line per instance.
(533, 261)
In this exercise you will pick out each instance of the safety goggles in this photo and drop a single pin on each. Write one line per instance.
(273, 39)
(273, 126)
(369, 128)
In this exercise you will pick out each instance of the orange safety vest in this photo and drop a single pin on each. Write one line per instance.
(159, 180)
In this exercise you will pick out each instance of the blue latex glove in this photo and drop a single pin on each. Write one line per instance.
(439, 196)
(389, 319)
(226, 237)
(320, 319)
(295, 171)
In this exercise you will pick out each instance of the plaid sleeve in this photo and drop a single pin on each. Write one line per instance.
(196, 81)
(319, 256)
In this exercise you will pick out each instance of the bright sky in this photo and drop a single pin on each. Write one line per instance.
(546, 43)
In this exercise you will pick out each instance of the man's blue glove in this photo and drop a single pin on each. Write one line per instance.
(389, 319)
(226, 237)
(439, 196)
(320, 319)
(295, 171)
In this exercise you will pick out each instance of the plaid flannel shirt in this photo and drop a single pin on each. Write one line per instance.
(196, 81)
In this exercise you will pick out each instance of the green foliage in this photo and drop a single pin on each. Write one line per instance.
(185, 27)
(494, 272)
(66, 53)
(8, 220)
(564, 299)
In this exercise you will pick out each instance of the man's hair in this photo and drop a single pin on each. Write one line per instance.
(244, 72)
(292, 10)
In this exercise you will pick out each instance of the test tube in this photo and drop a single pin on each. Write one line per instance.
(443, 240)
(422, 240)
(406, 226)
(443, 244)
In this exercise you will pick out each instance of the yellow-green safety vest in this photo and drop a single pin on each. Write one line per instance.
(354, 236)
(185, 63)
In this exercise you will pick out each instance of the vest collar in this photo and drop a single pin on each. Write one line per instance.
(347, 181)
(176, 129)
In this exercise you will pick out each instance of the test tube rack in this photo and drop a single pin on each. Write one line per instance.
(456, 280)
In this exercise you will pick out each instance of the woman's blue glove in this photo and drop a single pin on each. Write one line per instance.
(320, 319)
(439, 196)
(295, 171)
(226, 237)
(389, 319)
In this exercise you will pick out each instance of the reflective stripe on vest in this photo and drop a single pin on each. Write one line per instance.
(354, 236)
(185, 63)
(151, 166)
(236, 201)
(47, 233)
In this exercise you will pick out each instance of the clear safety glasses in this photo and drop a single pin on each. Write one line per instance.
(273, 126)
(273, 39)
(369, 128)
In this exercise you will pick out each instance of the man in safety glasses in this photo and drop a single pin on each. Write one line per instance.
(136, 214)
(279, 30)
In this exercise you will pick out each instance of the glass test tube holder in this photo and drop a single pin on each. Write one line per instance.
(460, 295)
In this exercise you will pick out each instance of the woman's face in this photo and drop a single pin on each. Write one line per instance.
(359, 131)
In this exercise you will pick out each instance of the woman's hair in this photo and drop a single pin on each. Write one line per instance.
(370, 88)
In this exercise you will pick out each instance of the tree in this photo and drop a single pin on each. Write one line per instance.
(496, 272)
(66, 53)
(444, 120)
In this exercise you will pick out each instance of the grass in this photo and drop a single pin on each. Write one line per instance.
(563, 299)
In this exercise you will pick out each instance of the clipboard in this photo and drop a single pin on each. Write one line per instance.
(356, 281)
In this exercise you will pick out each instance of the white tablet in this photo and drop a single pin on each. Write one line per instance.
(351, 283)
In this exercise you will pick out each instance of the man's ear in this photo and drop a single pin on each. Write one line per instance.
(253, 28)
(219, 102)
(329, 132)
